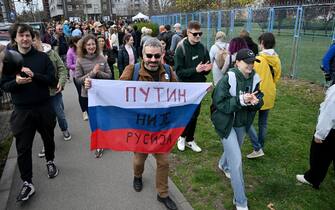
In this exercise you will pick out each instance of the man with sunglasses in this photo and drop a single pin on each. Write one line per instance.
(191, 65)
(151, 69)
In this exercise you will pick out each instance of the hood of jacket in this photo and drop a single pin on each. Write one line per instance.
(46, 47)
(270, 56)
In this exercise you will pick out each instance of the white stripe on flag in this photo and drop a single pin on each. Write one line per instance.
(134, 94)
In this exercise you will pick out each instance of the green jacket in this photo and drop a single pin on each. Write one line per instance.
(185, 63)
(229, 112)
(60, 69)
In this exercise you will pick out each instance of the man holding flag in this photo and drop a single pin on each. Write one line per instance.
(144, 117)
(151, 69)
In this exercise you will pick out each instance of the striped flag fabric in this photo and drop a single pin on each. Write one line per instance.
(146, 117)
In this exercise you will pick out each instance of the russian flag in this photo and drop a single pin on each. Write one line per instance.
(146, 117)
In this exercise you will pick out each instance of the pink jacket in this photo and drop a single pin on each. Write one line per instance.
(71, 58)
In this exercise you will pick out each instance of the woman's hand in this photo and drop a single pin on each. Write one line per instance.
(96, 68)
(87, 83)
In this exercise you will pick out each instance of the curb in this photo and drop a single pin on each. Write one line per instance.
(11, 164)
(174, 192)
(8, 176)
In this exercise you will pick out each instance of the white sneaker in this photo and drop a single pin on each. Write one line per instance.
(227, 174)
(242, 208)
(193, 146)
(301, 178)
(181, 143)
(85, 116)
(256, 154)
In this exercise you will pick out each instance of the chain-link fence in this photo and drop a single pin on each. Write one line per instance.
(303, 33)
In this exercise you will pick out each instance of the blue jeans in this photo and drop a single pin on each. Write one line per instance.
(231, 161)
(58, 106)
(258, 141)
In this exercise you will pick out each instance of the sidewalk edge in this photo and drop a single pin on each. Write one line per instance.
(174, 192)
(7, 176)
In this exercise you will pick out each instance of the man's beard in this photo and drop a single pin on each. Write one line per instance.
(147, 67)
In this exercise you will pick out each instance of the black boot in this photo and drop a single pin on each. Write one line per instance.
(168, 202)
(137, 184)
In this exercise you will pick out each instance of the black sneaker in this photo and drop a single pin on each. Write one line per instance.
(99, 153)
(52, 169)
(26, 191)
(168, 202)
(67, 135)
(137, 184)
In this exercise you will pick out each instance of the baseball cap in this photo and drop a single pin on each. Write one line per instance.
(247, 56)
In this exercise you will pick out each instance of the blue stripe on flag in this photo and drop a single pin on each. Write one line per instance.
(151, 119)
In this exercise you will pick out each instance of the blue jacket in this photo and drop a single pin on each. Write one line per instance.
(66, 30)
(328, 61)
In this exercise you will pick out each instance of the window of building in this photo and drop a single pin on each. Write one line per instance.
(77, 7)
(69, 8)
(89, 6)
(69, 0)
(104, 7)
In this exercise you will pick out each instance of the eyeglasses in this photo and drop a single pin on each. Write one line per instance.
(196, 34)
(153, 55)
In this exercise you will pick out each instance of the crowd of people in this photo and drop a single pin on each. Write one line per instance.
(244, 73)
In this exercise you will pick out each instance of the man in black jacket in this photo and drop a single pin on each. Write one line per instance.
(192, 64)
(32, 108)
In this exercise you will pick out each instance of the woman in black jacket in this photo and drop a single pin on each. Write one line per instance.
(107, 53)
(127, 53)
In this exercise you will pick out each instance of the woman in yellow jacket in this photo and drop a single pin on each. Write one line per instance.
(269, 70)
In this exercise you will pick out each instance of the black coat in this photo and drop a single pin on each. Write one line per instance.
(111, 57)
(123, 58)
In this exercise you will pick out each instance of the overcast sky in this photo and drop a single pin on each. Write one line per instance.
(19, 7)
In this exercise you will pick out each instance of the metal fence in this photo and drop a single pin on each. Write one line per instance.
(303, 33)
(5, 101)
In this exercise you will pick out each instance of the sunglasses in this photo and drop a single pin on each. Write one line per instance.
(196, 34)
(153, 55)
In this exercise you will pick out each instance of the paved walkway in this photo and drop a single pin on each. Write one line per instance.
(84, 182)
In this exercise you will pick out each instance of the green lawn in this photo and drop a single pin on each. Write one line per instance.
(309, 55)
(270, 179)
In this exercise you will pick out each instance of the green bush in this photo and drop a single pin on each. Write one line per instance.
(152, 26)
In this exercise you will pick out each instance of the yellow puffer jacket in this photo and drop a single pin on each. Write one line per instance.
(268, 82)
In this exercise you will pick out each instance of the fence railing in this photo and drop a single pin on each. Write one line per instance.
(303, 33)
(5, 101)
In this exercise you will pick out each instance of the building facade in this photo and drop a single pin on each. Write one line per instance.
(101, 9)
(80, 9)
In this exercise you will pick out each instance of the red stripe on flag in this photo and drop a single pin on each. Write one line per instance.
(136, 140)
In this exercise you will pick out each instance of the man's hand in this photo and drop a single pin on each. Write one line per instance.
(317, 140)
(27, 71)
(59, 88)
(87, 83)
(203, 67)
(207, 66)
(22, 80)
(199, 67)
